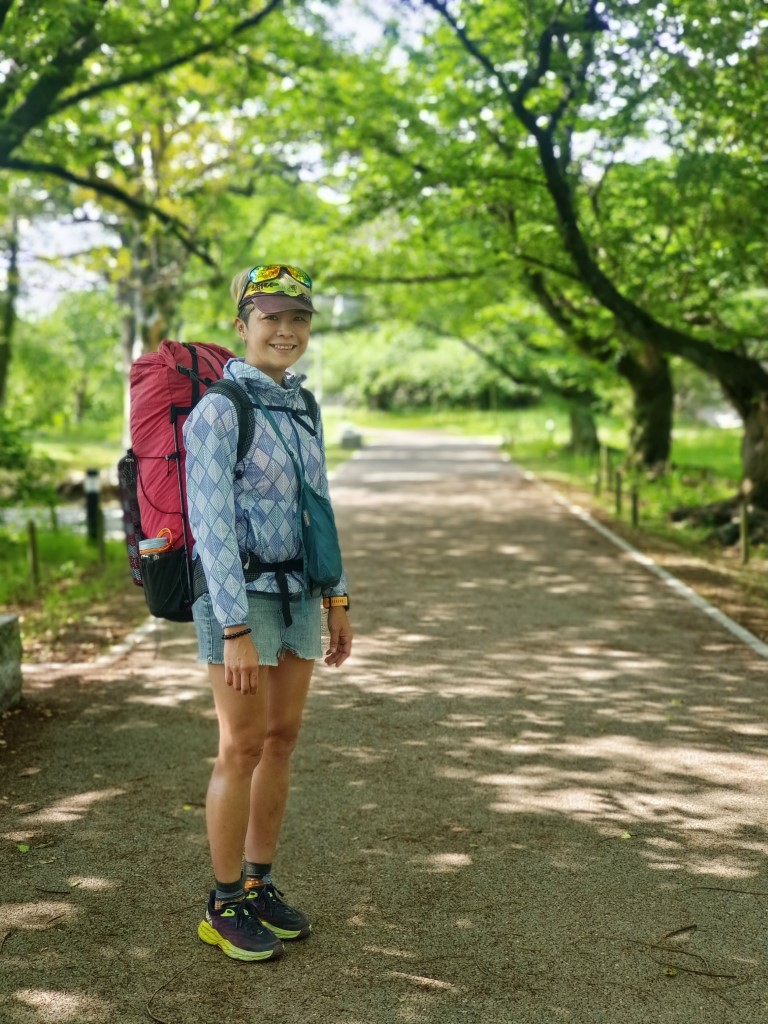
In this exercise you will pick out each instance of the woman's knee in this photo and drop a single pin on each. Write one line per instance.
(279, 744)
(241, 753)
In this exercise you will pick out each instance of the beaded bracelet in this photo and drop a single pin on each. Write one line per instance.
(234, 636)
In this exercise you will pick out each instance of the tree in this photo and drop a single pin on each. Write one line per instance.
(437, 199)
(59, 62)
(573, 60)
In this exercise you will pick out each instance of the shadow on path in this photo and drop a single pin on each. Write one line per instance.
(536, 793)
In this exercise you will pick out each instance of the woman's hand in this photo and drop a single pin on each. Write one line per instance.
(241, 664)
(341, 636)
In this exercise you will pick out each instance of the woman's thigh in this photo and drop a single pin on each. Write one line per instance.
(287, 686)
(276, 709)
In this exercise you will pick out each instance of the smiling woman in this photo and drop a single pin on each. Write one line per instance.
(257, 606)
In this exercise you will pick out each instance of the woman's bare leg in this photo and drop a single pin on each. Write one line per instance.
(242, 725)
(286, 694)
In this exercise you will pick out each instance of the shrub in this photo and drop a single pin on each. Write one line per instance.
(24, 478)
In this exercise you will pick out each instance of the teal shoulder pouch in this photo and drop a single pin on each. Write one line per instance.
(319, 536)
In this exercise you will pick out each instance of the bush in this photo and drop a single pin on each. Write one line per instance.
(24, 478)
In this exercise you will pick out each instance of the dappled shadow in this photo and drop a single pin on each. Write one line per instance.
(536, 793)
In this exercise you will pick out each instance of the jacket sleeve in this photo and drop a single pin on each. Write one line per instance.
(341, 586)
(210, 437)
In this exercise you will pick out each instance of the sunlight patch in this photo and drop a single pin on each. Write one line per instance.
(71, 808)
(59, 1007)
(35, 916)
(92, 883)
(448, 863)
(167, 700)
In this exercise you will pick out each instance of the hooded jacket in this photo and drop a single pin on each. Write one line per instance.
(250, 506)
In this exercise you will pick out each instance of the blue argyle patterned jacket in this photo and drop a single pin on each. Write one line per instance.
(253, 506)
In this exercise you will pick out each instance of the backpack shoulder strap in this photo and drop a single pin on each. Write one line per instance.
(311, 403)
(246, 418)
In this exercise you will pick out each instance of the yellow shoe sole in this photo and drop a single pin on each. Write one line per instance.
(283, 933)
(208, 934)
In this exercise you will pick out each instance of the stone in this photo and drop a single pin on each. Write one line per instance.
(349, 437)
(10, 662)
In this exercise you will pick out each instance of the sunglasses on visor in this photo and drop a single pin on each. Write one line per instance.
(264, 279)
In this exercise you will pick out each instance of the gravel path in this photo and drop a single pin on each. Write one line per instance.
(535, 794)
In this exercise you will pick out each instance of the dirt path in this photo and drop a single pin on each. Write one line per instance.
(536, 794)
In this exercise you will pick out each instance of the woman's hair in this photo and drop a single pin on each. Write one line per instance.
(236, 288)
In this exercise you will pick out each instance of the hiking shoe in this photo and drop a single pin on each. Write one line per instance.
(266, 903)
(236, 930)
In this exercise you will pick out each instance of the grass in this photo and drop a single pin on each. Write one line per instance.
(75, 452)
(74, 589)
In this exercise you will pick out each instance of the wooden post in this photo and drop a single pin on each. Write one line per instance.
(32, 554)
(635, 505)
(598, 484)
(605, 462)
(744, 530)
(618, 492)
(100, 540)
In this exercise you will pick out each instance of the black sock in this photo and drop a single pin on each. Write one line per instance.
(228, 892)
(261, 872)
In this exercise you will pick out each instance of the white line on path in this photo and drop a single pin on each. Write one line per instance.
(671, 581)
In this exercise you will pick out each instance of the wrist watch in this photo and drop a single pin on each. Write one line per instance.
(339, 601)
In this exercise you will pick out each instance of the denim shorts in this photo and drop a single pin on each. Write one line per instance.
(270, 634)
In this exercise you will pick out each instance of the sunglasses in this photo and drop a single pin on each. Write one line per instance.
(264, 279)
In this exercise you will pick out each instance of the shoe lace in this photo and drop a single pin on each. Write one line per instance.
(266, 892)
(244, 919)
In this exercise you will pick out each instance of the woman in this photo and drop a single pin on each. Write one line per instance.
(259, 634)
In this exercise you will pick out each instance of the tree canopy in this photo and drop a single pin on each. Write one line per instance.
(573, 189)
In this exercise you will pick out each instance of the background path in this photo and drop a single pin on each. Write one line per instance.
(535, 794)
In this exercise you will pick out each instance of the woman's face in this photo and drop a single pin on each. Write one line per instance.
(275, 341)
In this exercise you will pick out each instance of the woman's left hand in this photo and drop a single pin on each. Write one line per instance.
(341, 637)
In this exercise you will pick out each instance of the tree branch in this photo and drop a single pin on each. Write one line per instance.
(113, 192)
(571, 393)
(552, 267)
(599, 349)
(54, 77)
(738, 374)
(457, 275)
(5, 6)
(146, 74)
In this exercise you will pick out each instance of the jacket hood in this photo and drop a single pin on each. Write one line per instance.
(250, 378)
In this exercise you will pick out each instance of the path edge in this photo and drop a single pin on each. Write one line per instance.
(690, 595)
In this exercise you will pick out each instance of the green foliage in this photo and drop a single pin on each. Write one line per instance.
(67, 365)
(24, 477)
(74, 585)
(399, 366)
(401, 177)
(64, 556)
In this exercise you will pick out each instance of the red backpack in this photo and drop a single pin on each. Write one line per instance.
(165, 386)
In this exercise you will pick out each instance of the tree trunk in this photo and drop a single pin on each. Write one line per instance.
(743, 378)
(754, 453)
(8, 307)
(584, 439)
(648, 374)
(131, 350)
(645, 369)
